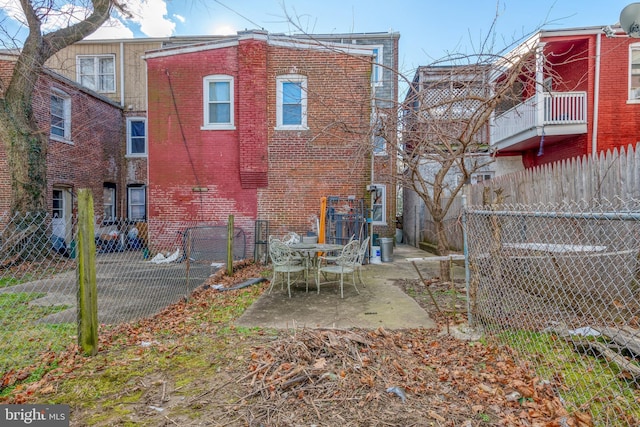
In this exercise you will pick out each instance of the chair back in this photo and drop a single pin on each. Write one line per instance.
(349, 254)
(279, 252)
(291, 237)
(363, 250)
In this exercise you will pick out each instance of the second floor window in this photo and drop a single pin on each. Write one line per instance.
(218, 102)
(60, 116)
(291, 99)
(97, 72)
(136, 136)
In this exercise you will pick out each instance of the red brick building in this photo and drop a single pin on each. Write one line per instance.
(586, 100)
(258, 126)
(85, 147)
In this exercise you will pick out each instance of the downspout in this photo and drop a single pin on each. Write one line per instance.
(122, 74)
(373, 156)
(596, 100)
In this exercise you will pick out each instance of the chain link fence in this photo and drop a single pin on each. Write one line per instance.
(141, 268)
(560, 284)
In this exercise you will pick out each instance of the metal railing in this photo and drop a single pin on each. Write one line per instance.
(558, 108)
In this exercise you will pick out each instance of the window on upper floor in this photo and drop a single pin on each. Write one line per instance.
(60, 116)
(136, 202)
(379, 204)
(136, 137)
(376, 71)
(97, 72)
(634, 72)
(291, 102)
(218, 102)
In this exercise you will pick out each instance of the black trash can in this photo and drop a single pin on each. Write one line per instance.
(386, 249)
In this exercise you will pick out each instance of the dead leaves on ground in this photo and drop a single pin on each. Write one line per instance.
(327, 376)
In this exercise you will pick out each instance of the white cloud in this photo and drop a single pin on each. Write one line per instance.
(112, 29)
(180, 18)
(151, 16)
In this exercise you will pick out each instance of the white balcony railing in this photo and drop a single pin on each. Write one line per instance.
(558, 108)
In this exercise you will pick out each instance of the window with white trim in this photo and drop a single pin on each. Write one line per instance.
(136, 137)
(379, 204)
(97, 72)
(291, 102)
(60, 116)
(109, 201)
(136, 202)
(379, 137)
(376, 71)
(218, 102)
(634, 72)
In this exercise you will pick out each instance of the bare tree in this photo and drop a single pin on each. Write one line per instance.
(24, 141)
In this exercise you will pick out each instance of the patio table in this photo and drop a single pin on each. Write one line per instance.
(311, 250)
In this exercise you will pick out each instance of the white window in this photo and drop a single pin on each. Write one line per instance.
(379, 204)
(136, 206)
(97, 72)
(634, 72)
(218, 102)
(376, 71)
(60, 116)
(379, 137)
(136, 137)
(109, 201)
(291, 102)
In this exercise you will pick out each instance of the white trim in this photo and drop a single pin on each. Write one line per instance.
(66, 106)
(378, 67)
(189, 49)
(383, 204)
(206, 81)
(128, 136)
(291, 78)
(96, 71)
(129, 189)
(633, 94)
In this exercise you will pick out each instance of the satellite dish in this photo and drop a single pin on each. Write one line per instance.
(630, 20)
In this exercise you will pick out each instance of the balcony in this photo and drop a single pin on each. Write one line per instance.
(559, 115)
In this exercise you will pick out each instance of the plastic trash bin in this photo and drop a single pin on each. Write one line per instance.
(386, 249)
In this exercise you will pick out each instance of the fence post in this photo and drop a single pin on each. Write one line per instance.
(87, 289)
(230, 246)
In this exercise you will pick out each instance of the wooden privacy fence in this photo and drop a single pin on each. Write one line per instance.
(612, 175)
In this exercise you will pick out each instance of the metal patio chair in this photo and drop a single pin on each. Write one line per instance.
(345, 264)
(284, 263)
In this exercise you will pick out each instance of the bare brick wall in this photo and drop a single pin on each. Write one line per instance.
(256, 172)
(328, 159)
(95, 154)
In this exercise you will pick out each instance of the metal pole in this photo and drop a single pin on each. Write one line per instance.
(467, 273)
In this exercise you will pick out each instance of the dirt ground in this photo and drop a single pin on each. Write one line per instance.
(328, 377)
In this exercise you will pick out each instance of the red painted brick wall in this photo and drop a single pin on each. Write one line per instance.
(618, 120)
(96, 153)
(255, 171)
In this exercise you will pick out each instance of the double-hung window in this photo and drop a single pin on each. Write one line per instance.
(97, 72)
(109, 201)
(376, 70)
(60, 116)
(379, 204)
(218, 102)
(291, 102)
(136, 137)
(634, 72)
(136, 206)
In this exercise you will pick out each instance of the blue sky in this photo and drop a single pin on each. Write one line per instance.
(428, 29)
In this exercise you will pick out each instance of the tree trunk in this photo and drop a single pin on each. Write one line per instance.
(443, 249)
(27, 159)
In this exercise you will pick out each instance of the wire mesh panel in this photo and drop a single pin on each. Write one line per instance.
(560, 284)
(141, 268)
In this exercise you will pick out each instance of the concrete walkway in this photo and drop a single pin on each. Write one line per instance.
(379, 304)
